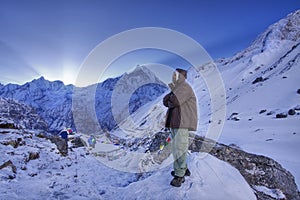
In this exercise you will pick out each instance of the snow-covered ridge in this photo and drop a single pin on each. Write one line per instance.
(53, 100)
(285, 29)
(18, 115)
(282, 33)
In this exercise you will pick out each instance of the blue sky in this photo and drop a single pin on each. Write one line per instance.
(52, 38)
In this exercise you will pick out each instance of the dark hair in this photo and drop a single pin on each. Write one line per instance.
(182, 72)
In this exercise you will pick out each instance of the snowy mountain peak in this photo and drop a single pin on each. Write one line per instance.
(287, 29)
(142, 69)
(278, 38)
(292, 26)
(42, 78)
(141, 74)
(42, 83)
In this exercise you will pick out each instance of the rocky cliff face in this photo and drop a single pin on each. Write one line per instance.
(19, 116)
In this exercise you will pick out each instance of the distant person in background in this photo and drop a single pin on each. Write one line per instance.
(92, 141)
(181, 118)
(64, 135)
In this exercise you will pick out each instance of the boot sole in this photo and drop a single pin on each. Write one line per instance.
(173, 174)
(180, 183)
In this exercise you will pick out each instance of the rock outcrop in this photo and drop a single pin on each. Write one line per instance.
(259, 171)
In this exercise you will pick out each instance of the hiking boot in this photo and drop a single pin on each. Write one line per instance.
(187, 173)
(176, 182)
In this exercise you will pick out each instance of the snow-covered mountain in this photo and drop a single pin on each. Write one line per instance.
(263, 100)
(53, 100)
(114, 99)
(17, 115)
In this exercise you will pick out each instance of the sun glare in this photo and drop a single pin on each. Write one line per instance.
(69, 75)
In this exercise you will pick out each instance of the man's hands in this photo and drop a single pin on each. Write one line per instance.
(171, 86)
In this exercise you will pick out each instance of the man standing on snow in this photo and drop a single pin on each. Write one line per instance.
(181, 118)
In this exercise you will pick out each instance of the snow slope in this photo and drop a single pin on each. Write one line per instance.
(275, 57)
(81, 176)
(31, 167)
(207, 175)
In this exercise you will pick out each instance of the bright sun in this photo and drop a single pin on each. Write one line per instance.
(69, 75)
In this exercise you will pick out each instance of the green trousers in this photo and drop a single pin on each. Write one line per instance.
(179, 150)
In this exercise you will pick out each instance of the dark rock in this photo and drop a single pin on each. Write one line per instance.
(297, 108)
(258, 79)
(41, 135)
(234, 117)
(281, 115)
(32, 174)
(262, 111)
(11, 176)
(78, 142)
(8, 126)
(34, 155)
(61, 144)
(292, 112)
(4, 132)
(298, 91)
(9, 163)
(263, 196)
(14, 143)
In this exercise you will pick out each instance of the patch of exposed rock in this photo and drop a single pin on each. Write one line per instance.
(258, 170)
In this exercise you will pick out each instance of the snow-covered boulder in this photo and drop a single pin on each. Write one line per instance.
(259, 171)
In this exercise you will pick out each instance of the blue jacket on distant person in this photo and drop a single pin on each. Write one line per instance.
(64, 135)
